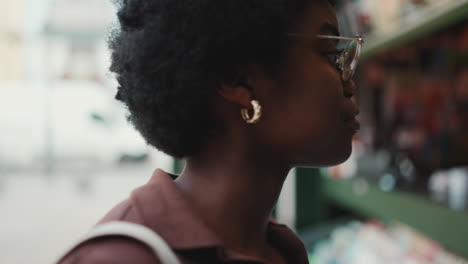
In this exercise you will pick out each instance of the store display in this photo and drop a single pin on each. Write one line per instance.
(417, 108)
(374, 242)
(414, 109)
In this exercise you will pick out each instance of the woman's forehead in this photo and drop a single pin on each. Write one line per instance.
(318, 17)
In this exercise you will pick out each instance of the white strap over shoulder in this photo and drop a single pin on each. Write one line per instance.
(135, 231)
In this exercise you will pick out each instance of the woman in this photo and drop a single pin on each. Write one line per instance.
(243, 91)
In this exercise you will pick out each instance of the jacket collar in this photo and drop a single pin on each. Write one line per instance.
(166, 211)
(170, 215)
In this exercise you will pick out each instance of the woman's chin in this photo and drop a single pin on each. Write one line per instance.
(343, 157)
(327, 159)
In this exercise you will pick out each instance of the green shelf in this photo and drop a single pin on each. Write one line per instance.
(448, 227)
(427, 21)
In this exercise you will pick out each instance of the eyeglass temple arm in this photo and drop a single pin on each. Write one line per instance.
(340, 37)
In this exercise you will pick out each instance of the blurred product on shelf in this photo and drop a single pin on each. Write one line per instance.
(375, 242)
(450, 187)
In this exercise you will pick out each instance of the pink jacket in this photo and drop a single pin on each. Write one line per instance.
(160, 206)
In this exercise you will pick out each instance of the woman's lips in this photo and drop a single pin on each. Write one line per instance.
(353, 124)
(351, 111)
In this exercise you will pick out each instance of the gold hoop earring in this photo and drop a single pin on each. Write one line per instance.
(257, 108)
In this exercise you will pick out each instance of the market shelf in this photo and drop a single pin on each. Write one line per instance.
(428, 20)
(446, 226)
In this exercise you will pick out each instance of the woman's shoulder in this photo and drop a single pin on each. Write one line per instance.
(127, 210)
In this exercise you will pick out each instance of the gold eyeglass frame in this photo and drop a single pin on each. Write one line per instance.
(346, 70)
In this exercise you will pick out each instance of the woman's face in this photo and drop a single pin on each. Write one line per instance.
(306, 108)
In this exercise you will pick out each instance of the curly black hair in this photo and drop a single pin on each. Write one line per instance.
(169, 56)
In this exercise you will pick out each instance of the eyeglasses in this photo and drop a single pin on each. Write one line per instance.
(345, 60)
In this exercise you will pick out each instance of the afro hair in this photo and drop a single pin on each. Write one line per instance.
(169, 57)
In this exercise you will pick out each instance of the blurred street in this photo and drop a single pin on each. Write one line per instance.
(41, 215)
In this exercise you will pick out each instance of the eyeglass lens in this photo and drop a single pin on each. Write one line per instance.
(349, 59)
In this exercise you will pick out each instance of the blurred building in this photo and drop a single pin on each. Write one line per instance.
(81, 37)
(11, 54)
(60, 88)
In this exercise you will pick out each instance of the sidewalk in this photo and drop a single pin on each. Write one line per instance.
(42, 216)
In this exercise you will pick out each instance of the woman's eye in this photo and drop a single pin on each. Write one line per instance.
(331, 56)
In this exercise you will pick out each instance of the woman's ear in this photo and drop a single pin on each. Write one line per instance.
(237, 92)
(253, 83)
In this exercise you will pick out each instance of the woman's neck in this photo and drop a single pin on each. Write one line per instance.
(234, 191)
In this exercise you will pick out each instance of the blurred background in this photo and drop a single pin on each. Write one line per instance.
(402, 197)
(65, 142)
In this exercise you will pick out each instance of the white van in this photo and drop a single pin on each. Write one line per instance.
(64, 124)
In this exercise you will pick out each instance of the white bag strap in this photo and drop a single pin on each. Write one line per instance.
(135, 231)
